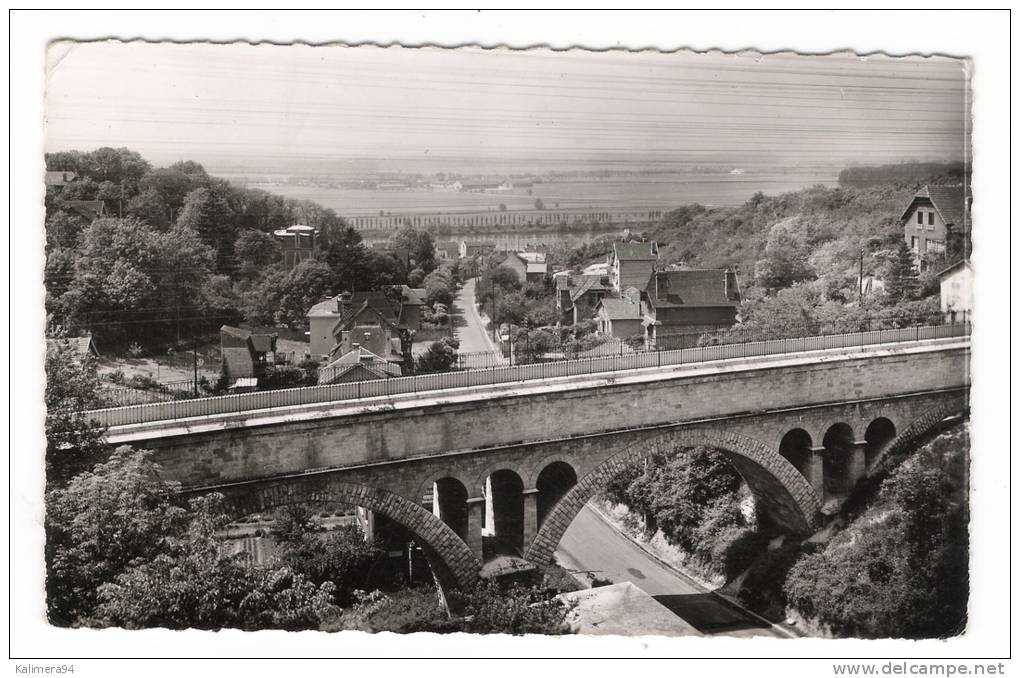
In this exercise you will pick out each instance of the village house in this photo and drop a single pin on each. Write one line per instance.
(83, 345)
(681, 305)
(631, 263)
(298, 242)
(475, 248)
(396, 309)
(956, 291)
(578, 295)
(933, 213)
(245, 353)
(619, 318)
(358, 364)
(89, 210)
(530, 267)
(447, 250)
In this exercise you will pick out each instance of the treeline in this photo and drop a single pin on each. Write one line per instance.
(904, 173)
(177, 251)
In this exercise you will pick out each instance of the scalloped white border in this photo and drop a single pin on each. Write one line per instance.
(982, 36)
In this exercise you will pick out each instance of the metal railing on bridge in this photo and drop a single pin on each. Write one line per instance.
(344, 392)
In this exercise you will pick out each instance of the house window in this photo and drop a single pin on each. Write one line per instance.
(920, 218)
(915, 243)
(937, 246)
(931, 220)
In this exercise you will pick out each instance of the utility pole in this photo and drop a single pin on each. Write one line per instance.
(194, 362)
(492, 288)
(860, 279)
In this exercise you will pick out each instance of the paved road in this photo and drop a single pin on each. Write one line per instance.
(592, 544)
(468, 328)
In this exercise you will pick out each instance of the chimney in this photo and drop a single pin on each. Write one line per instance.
(732, 287)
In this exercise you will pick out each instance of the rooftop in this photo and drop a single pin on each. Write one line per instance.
(621, 309)
(949, 201)
(636, 251)
(691, 287)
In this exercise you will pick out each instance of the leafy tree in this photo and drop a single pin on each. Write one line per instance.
(416, 277)
(172, 185)
(419, 244)
(386, 270)
(254, 249)
(532, 344)
(63, 229)
(344, 252)
(341, 558)
(72, 386)
(207, 213)
(197, 584)
(440, 356)
(104, 520)
(150, 207)
(786, 256)
(304, 286)
(439, 287)
(539, 205)
(514, 609)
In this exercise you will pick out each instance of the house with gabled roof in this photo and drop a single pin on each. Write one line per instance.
(246, 353)
(578, 295)
(932, 214)
(530, 267)
(358, 364)
(687, 303)
(619, 318)
(395, 309)
(630, 264)
(83, 345)
(90, 210)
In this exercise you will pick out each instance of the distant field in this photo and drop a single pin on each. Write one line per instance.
(637, 193)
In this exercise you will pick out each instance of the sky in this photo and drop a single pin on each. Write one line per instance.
(280, 108)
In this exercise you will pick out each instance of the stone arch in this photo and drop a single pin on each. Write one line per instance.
(499, 465)
(425, 487)
(837, 472)
(776, 484)
(554, 480)
(453, 564)
(878, 433)
(537, 468)
(926, 425)
(796, 447)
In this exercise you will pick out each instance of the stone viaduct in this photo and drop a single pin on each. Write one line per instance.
(519, 460)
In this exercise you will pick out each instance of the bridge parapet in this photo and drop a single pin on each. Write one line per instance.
(199, 408)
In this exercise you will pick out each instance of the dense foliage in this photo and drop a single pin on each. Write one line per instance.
(73, 442)
(122, 550)
(491, 607)
(693, 496)
(901, 568)
(179, 252)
